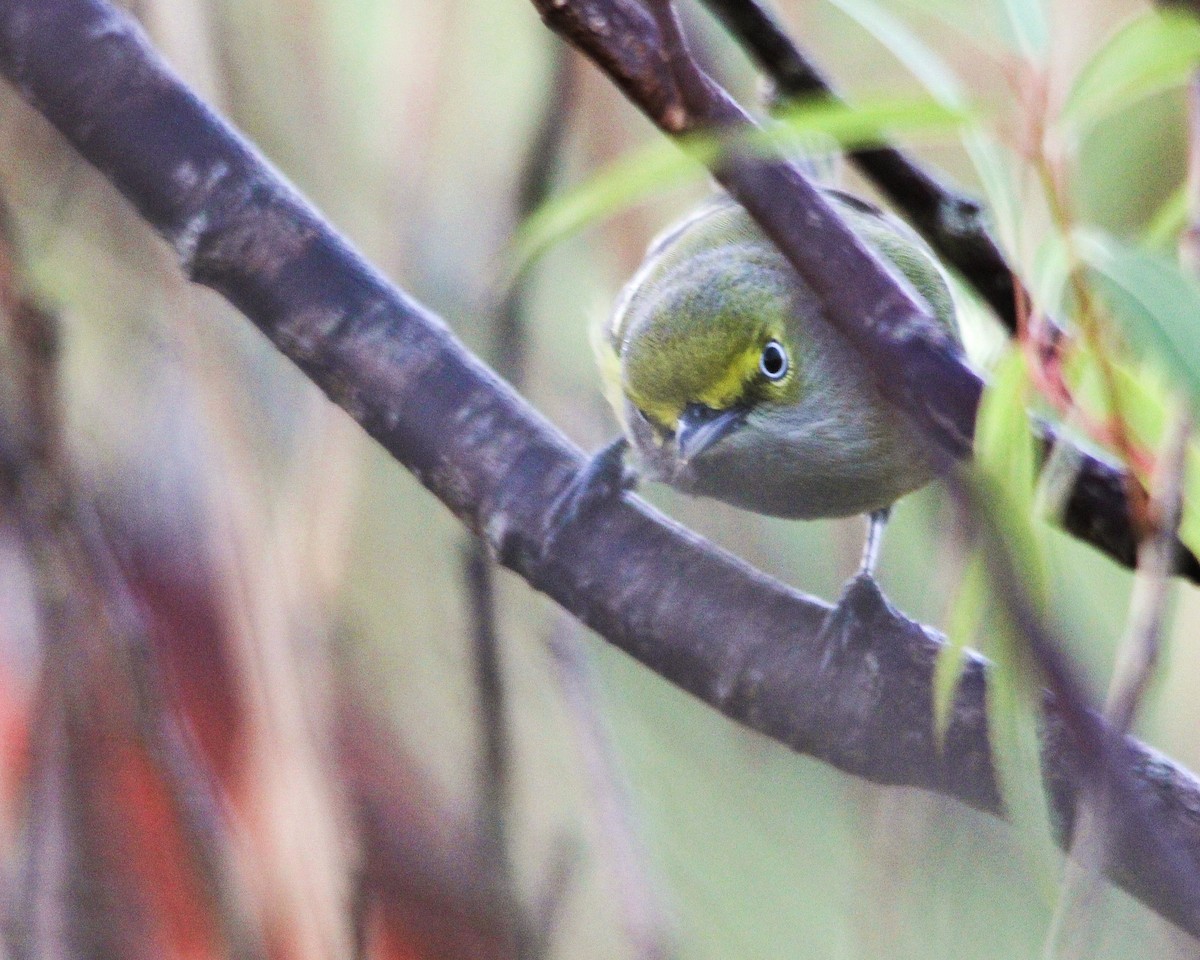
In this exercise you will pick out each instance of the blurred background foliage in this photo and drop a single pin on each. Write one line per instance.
(305, 597)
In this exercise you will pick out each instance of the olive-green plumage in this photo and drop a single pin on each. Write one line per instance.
(730, 383)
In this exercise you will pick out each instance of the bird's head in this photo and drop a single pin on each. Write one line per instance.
(701, 360)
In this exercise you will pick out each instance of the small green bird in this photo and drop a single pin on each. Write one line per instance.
(730, 383)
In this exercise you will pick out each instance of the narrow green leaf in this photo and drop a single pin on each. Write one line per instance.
(1013, 701)
(957, 18)
(991, 161)
(1005, 460)
(1051, 272)
(917, 57)
(664, 164)
(1154, 52)
(1030, 30)
(860, 124)
(1145, 398)
(1156, 303)
(656, 167)
(1006, 457)
(962, 625)
(1189, 523)
(1163, 230)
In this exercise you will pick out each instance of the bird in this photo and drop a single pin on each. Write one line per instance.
(729, 382)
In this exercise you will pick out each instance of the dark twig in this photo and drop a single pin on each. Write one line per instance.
(537, 178)
(951, 221)
(646, 919)
(38, 918)
(1192, 6)
(510, 340)
(496, 759)
(732, 637)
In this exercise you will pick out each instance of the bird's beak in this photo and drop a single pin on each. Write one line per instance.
(699, 427)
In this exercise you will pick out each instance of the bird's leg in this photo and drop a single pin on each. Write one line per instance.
(604, 477)
(862, 603)
(876, 524)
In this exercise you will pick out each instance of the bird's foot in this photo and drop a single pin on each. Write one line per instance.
(604, 477)
(853, 619)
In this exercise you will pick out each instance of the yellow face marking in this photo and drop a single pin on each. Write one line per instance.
(665, 416)
(728, 391)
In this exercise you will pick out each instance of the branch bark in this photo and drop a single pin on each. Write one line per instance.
(703, 619)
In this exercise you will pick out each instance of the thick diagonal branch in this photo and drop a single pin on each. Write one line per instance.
(704, 620)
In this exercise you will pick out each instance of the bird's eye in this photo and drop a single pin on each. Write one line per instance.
(774, 361)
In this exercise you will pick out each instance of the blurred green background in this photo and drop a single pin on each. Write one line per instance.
(406, 123)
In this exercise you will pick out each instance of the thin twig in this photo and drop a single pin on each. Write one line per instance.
(646, 919)
(496, 760)
(511, 354)
(511, 340)
(37, 920)
(360, 915)
(1072, 929)
(1137, 656)
(557, 884)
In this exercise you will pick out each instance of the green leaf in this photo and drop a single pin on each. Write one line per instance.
(1027, 21)
(1013, 703)
(1051, 272)
(1002, 429)
(992, 162)
(917, 57)
(961, 628)
(1189, 524)
(1154, 52)
(1163, 230)
(1145, 403)
(1006, 461)
(1006, 457)
(664, 164)
(1155, 302)
(654, 168)
(860, 124)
